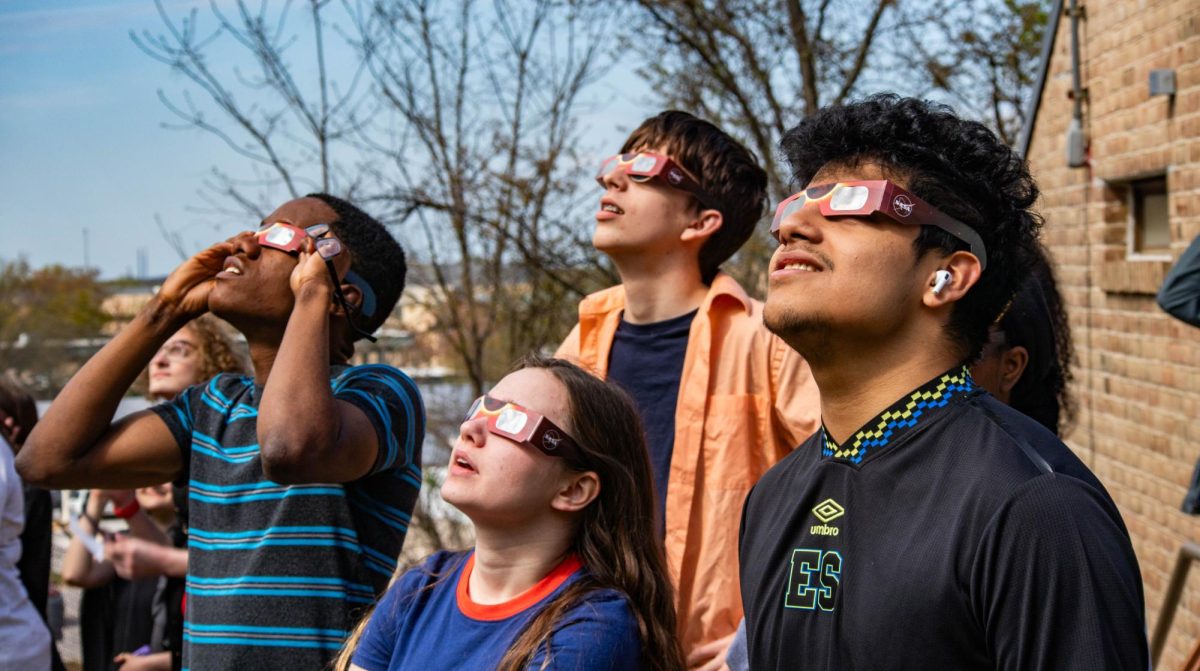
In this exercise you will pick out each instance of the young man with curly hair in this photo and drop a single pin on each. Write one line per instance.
(721, 398)
(302, 477)
(926, 525)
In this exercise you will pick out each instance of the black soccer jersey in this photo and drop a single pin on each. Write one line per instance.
(951, 532)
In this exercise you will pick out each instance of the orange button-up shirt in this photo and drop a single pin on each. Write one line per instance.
(745, 401)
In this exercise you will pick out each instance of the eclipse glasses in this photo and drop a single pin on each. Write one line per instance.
(290, 239)
(524, 426)
(645, 166)
(866, 197)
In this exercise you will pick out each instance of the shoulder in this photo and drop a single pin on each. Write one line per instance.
(438, 571)
(602, 620)
(375, 373)
(1014, 447)
(607, 606)
(788, 473)
(603, 301)
(380, 388)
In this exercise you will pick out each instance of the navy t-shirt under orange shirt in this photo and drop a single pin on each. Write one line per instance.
(428, 621)
(647, 361)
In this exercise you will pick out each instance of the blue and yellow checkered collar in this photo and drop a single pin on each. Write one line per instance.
(888, 426)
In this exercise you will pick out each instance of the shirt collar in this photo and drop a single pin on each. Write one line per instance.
(723, 287)
(917, 408)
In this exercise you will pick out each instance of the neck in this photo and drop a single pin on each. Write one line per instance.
(264, 346)
(858, 383)
(509, 562)
(660, 288)
(262, 358)
(163, 518)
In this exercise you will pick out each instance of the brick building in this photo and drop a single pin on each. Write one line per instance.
(1114, 224)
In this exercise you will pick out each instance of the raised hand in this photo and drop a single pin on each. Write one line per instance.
(310, 267)
(187, 288)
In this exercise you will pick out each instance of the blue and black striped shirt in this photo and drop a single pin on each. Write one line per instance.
(278, 574)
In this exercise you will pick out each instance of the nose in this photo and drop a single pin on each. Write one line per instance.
(160, 359)
(614, 178)
(474, 431)
(246, 243)
(801, 224)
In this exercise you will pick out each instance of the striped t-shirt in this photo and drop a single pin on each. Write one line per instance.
(278, 574)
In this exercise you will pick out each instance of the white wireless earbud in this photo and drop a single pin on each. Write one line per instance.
(940, 279)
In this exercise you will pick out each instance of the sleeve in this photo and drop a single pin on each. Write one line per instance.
(797, 408)
(374, 651)
(1179, 295)
(738, 656)
(177, 415)
(1055, 582)
(569, 349)
(392, 403)
(600, 634)
(34, 564)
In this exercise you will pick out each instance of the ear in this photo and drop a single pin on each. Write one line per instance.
(578, 490)
(703, 226)
(1012, 366)
(353, 298)
(964, 272)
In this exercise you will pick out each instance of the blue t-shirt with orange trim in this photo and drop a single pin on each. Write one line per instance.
(427, 621)
(278, 574)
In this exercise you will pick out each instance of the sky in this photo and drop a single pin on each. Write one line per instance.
(85, 151)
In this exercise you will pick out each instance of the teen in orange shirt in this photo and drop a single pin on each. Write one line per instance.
(722, 398)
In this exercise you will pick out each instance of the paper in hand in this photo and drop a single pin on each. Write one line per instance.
(92, 543)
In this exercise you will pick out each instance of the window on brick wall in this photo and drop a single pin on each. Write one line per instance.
(1149, 227)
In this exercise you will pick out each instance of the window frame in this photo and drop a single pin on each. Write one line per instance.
(1133, 187)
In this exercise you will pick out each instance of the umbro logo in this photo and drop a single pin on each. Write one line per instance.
(827, 511)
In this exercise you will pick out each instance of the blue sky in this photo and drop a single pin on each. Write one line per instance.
(83, 145)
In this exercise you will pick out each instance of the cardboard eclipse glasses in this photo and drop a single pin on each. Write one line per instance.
(645, 166)
(866, 197)
(524, 426)
(290, 239)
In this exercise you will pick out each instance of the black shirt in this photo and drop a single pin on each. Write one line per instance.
(647, 361)
(951, 532)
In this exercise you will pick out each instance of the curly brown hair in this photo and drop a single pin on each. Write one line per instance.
(219, 351)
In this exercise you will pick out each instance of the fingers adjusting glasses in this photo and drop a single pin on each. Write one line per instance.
(290, 239)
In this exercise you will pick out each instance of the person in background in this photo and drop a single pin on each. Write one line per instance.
(24, 637)
(1026, 362)
(551, 468)
(1179, 294)
(18, 416)
(117, 615)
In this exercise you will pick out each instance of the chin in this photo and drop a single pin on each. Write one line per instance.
(808, 334)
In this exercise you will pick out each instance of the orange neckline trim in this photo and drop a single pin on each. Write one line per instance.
(519, 603)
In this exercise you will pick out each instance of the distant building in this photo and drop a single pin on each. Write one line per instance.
(1114, 226)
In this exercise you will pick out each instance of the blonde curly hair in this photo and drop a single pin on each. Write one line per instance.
(219, 351)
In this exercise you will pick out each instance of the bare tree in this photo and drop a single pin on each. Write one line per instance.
(987, 66)
(487, 164)
(289, 127)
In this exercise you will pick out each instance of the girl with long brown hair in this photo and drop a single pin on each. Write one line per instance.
(567, 572)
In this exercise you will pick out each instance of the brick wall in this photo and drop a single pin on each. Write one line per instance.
(1138, 371)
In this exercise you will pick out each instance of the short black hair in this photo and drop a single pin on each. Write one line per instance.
(378, 258)
(726, 170)
(958, 166)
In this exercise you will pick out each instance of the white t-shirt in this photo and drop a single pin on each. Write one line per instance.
(24, 638)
